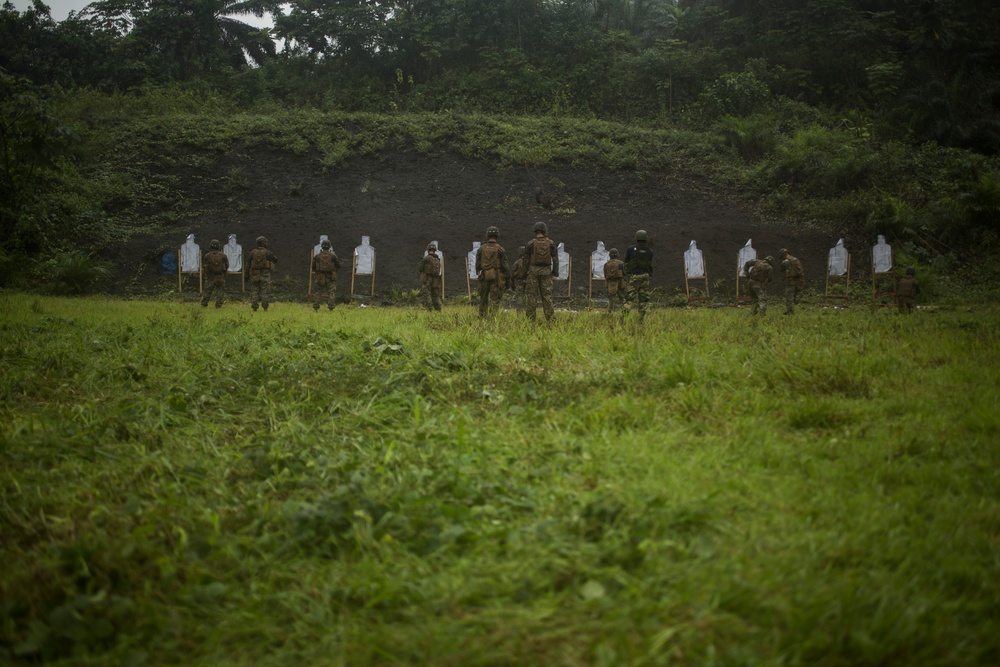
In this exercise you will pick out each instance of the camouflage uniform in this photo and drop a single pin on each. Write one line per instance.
(325, 265)
(262, 261)
(907, 291)
(759, 272)
(216, 264)
(491, 280)
(795, 280)
(614, 277)
(543, 266)
(430, 279)
(638, 268)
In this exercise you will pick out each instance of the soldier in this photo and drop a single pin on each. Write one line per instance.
(216, 264)
(638, 268)
(325, 265)
(262, 261)
(907, 291)
(614, 277)
(795, 279)
(542, 259)
(759, 272)
(430, 278)
(492, 272)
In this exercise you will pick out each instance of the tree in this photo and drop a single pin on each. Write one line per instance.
(32, 145)
(186, 38)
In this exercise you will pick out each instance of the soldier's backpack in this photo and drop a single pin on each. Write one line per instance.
(613, 270)
(541, 251)
(215, 262)
(259, 259)
(325, 263)
(489, 265)
(757, 272)
(432, 267)
(642, 260)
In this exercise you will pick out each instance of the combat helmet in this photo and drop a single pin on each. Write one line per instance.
(520, 250)
(214, 245)
(432, 247)
(783, 253)
(492, 232)
(613, 252)
(325, 244)
(641, 235)
(261, 242)
(910, 271)
(770, 260)
(541, 227)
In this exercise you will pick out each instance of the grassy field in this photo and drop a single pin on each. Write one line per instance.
(387, 486)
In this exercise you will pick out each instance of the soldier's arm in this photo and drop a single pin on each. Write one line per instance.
(554, 258)
(504, 264)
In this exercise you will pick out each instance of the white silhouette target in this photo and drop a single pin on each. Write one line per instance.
(694, 261)
(234, 253)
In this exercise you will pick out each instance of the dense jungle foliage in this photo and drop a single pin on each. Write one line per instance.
(882, 114)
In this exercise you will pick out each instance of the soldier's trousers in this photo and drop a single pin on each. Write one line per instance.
(260, 288)
(325, 284)
(490, 295)
(430, 293)
(616, 290)
(638, 292)
(217, 288)
(758, 296)
(791, 298)
(906, 304)
(538, 288)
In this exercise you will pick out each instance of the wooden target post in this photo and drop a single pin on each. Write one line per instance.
(181, 272)
(694, 263)
(883, 271)
(369, 253)
(470, 269)
(687, 286)
(354, 272)
(568, 278)
(838, 274)
(234, 253)
(744, 255)
(468, 279)
(598, 258)
(590, 291)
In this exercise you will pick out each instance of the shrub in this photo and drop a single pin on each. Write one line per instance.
(76, 271)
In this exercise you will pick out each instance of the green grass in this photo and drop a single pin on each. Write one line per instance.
(389, 486)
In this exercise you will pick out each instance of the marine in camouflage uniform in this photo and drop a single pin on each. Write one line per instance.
(262, 261)
(638, 269)
(216, 264)
(614, 278)
(492, 272)
(759, 272)
(795, 279)
(543, 265)
(907, 291)
(430, 279)
(325, 265)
